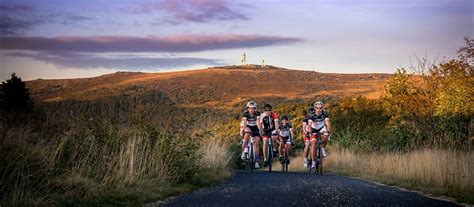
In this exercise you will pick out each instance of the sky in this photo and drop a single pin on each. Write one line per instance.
(52, 39)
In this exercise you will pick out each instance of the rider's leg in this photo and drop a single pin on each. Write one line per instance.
(280, 147)
(324, 140)
(245, 140)
(288, 149)
(313, 149)
(265, 146)
(256, 148)
(274, 142)
(306, 149)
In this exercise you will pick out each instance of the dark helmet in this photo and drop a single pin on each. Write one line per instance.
(284, 118)
(267, 107)
(311, 110)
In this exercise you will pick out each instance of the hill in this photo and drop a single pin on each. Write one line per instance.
(219, 86)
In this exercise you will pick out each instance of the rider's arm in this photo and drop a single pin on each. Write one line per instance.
(277, 125)
(328, 124)
(308, 128)
(304, 130)
(259, 124)
(244, 120)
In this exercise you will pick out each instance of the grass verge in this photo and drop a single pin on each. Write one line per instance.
(433, 171)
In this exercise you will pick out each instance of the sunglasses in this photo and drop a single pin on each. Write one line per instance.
(268, 110)
(318, 108)
(252, 108)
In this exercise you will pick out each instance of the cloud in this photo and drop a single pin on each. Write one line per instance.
(91, 61)
(196, 11)
(12, 26)
(15, 19)
(9, 23)
(177, 43)
(15, 8)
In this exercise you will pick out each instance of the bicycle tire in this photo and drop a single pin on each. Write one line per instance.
(252, 160)
(270, 155)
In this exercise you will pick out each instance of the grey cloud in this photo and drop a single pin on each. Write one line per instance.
(90, 61)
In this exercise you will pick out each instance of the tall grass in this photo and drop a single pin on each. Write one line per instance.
(438, 171)
(88, 150)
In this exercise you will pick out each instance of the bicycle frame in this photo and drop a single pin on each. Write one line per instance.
(284, 165)
(319, 157)
(250, 157)
(269, 154)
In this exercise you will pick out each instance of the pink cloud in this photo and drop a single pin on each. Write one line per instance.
(177, 43)
(197, 11)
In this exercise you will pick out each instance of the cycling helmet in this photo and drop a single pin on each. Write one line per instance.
(311, 110)
(251, 104)
(267, 107)
(284, 118)
(319, 103)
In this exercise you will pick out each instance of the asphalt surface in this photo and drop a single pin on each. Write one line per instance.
(300, 189)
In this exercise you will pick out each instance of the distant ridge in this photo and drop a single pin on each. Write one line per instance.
(214, 86)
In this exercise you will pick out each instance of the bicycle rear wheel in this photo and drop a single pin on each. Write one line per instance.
(252, 161)
(270, 156)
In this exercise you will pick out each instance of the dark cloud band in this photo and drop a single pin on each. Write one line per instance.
(178, 43)
(91, 61)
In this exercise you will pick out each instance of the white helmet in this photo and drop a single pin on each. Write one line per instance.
(318, 103)
(251, 104)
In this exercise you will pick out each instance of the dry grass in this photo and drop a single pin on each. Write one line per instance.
(214, 154)
(437, 171)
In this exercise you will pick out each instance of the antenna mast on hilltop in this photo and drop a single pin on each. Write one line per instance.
(243, 59)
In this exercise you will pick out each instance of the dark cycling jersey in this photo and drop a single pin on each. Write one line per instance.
(285, 130)
(318, 120)
(269, 121)
(251, 119)
(305, 119)
(252, 122)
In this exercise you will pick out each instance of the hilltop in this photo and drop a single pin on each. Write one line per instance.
(218, 86)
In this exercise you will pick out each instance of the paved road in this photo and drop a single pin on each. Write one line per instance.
(300, 189)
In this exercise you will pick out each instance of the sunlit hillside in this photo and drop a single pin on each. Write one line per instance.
(221, 86)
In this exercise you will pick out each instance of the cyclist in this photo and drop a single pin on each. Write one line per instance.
(251, 121)
(306, 135)
(269, 122)
(286, 132)
(318, 123)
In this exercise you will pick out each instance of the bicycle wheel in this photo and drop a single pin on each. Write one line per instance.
(286, 161)
(321, 167)
(318, 158)
(270, 155)
(252, 160)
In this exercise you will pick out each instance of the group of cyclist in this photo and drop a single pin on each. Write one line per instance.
(267, 126)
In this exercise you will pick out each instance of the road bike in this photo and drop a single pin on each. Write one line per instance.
(269, 155)
(318, 169)
(250, 156)
(285, 162)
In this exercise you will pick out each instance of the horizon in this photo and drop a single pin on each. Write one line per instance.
(196, 69)
(63, 40)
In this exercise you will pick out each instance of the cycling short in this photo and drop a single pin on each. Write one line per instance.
(315, 132)
(307, 137)
(269, 133)
(286, 140)
(254, 132)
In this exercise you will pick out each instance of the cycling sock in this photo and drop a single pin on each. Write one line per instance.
(257, 158)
